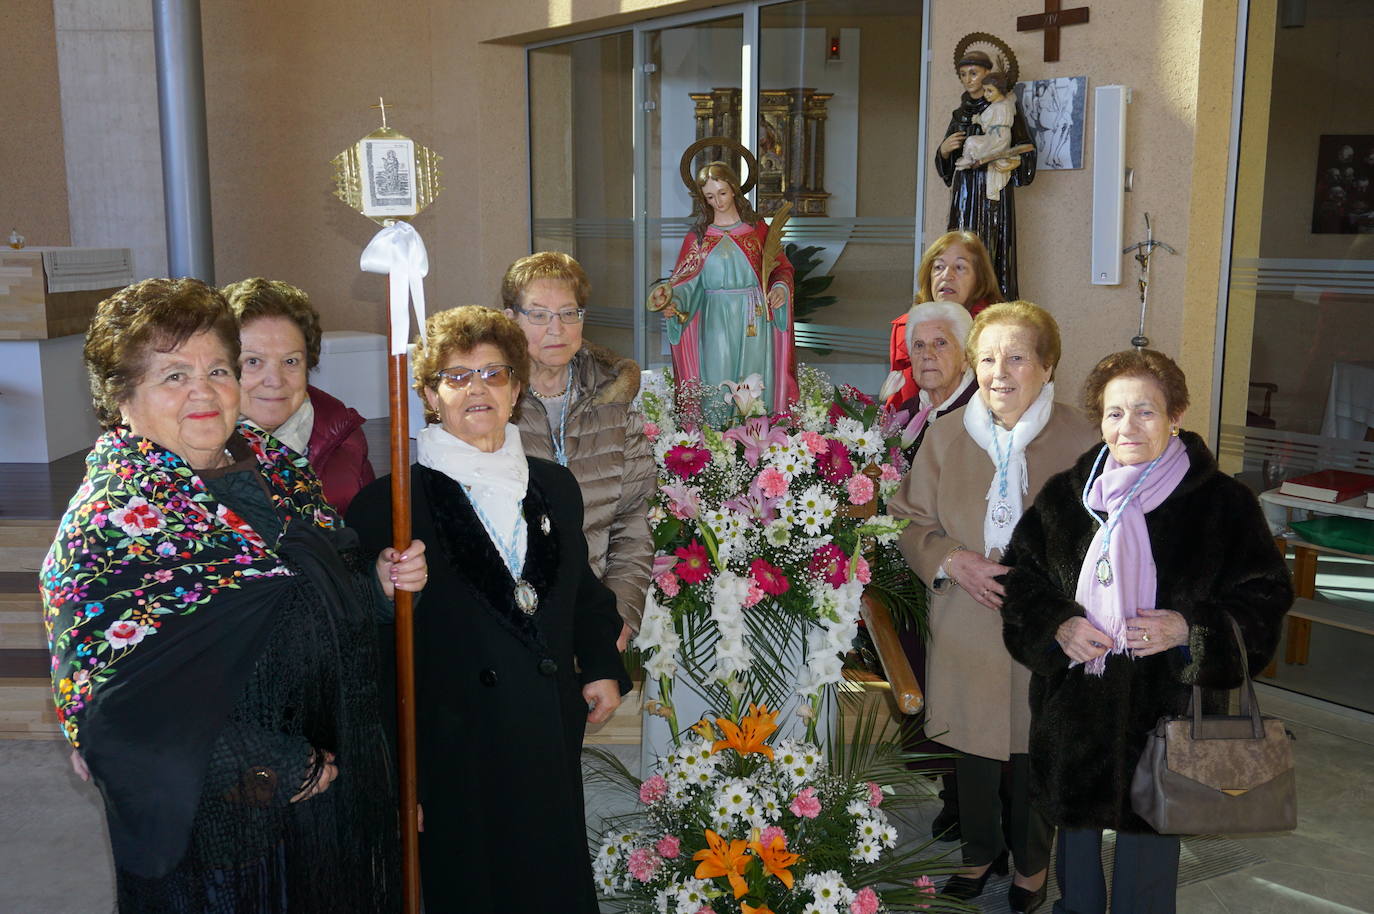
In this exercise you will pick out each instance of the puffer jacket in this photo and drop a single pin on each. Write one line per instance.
(614, 465)
(338, 449)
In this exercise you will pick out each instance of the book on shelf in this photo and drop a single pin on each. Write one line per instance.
(1329, 486)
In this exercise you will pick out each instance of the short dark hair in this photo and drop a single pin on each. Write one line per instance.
(1143, 363)
(461, 330)
(254, 298)
(154, 315)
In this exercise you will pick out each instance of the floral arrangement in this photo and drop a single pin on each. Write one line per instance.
(734, 823)
(758, 529)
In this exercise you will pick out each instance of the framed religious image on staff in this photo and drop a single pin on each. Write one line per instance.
(388, 166)
(1056, 116)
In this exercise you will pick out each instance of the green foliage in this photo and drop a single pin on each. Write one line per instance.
(808, 292)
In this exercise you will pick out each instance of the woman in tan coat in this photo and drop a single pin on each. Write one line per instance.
(577, 412)
(976, 472)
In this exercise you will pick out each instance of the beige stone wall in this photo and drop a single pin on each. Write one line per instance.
(1176, 142)
(33, 192)
(289, 85)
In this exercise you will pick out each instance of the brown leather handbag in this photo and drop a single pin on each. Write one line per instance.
(1217, 774)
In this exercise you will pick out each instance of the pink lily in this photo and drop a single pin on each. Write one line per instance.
(684, 502)
(755, 503)
(756, 435)
(747, 394)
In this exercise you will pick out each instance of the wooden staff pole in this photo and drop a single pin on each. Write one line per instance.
(405, 637)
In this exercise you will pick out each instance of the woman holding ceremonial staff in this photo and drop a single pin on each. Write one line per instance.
(515, 638)
(977, 469)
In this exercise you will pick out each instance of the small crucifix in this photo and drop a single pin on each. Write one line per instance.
(1051, 20)
(381, 103)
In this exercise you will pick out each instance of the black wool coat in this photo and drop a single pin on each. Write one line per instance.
(1214, 555)
(499, 709)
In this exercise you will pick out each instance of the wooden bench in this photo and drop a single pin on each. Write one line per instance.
(1306, 610)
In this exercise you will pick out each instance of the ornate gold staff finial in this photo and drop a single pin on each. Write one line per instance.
(386, 175)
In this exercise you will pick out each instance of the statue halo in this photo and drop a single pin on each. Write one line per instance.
(1002, 56)
(685, 165)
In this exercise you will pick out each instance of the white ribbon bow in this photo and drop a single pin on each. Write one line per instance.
(398, 251)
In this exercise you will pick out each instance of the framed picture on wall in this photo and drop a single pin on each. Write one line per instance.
(388, 167)
(1056, 116)
(1342, 202)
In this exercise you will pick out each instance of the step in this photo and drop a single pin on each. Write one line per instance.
(21, 611)
(26, 708)
(24, 543)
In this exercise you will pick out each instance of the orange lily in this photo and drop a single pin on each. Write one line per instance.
(775, 858)
(724, 858)
(747, 908)
(750, 735)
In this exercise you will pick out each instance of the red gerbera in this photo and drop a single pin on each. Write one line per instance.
(770, 578)
(833, 463)
(831, 565)
(695, 564)
(686, 461)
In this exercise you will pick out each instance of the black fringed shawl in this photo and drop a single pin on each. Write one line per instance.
(203, 673)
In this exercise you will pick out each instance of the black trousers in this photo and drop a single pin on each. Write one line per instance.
(1144, 876)
(980, 814)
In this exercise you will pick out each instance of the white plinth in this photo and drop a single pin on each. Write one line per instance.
(45, 400)
(353, 368)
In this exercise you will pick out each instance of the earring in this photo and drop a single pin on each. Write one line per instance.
(1174, 431)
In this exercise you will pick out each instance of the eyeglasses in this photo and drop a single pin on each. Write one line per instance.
(460, 378)
(542, 318)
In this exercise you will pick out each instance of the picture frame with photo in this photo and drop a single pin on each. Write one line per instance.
(388, 173)
(1055, 113)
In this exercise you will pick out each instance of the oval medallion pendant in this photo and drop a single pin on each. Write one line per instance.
(1001, 514)
(1104, 572)
(526, 597)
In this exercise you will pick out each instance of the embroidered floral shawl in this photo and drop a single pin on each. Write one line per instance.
(144, 545)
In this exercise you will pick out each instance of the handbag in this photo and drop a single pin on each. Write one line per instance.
(1217, 774)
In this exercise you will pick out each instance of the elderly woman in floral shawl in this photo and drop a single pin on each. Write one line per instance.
(214, 635)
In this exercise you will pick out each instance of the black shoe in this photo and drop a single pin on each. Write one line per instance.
(966, 888)
(1024, 901)
(945, 826)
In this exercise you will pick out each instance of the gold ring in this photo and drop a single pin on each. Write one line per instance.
(1145, 637)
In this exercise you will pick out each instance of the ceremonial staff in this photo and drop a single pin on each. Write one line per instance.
(387, 177)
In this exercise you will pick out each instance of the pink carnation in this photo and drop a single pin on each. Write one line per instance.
(643, 863)
(889, 473)
(875, 795)
(651, 430)
(668, 847)
(926, 886)
(772, 482)
(668, 583)
(768, 834)
(653, 790)
(806, 804)
(860, 489)
(862, 573)
(865, 902)
(753, 595)
(815, 443)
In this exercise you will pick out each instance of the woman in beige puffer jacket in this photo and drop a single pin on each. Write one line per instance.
(577, 411)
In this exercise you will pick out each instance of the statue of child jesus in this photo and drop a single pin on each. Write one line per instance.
(989, 146)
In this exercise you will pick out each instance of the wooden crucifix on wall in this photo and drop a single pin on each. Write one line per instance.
(1051, 20)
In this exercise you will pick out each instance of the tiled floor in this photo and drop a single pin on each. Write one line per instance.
(49, 819)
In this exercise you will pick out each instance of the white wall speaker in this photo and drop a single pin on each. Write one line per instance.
(1109, 182)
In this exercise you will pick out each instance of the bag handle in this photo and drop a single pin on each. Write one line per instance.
(1249, 703)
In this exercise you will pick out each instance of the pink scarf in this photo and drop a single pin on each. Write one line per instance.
(1126, 494)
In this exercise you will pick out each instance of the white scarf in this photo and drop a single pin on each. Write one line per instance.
(295, 431)
(496, 482)
(991, 437)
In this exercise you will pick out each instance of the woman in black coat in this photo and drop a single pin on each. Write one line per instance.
(1123, 574)
(514, 639)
